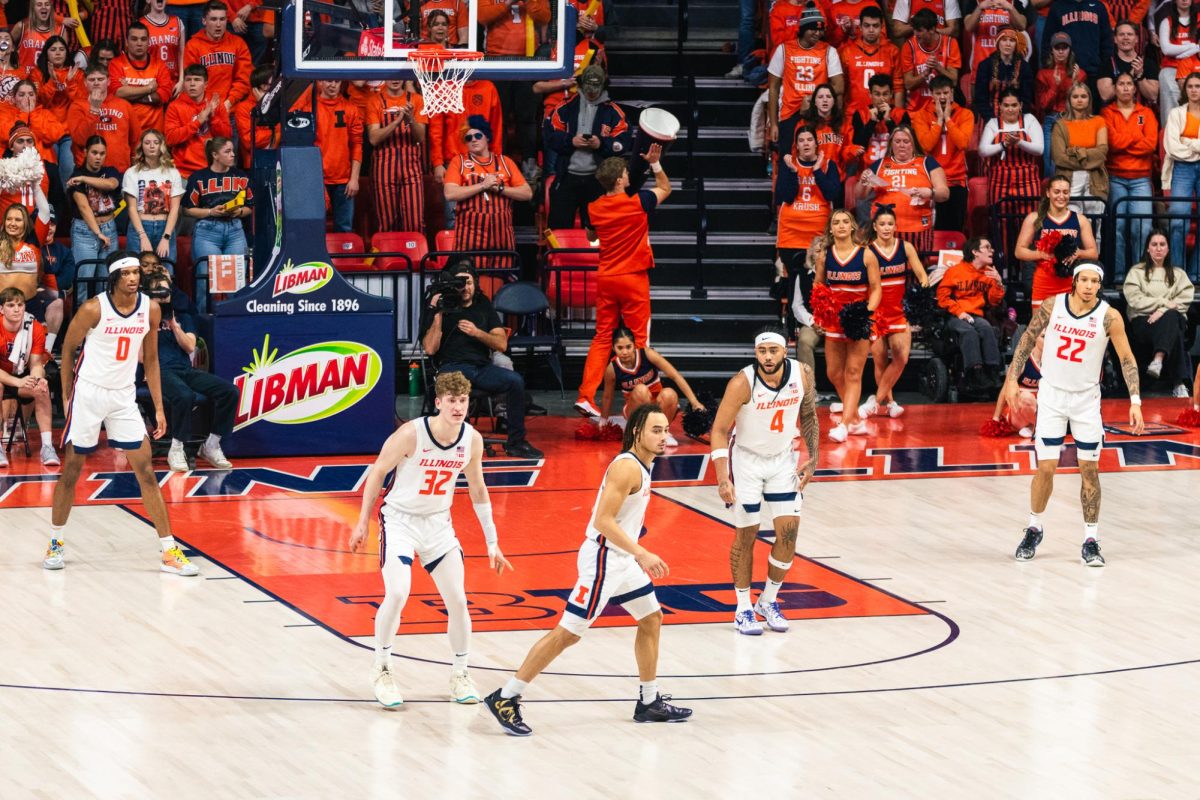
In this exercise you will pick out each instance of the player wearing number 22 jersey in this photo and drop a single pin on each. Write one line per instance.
(110, 333)
(1078, 327)
(421, 463)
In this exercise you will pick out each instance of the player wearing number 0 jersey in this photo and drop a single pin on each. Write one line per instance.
(424, 458)
(110, 331)
(613, 568)
(1078, 327)
(762, 408)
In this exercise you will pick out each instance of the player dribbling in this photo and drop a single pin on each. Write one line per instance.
(427, 455)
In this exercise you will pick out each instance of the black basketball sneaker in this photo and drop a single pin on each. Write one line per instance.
(660, 711)
(1028, 546)
(1091, 554)
(507, 711)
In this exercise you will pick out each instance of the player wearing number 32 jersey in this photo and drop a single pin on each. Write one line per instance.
(109, 332)
(423, 460)
(1078, 328)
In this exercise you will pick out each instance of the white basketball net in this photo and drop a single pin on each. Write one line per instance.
(442, 75)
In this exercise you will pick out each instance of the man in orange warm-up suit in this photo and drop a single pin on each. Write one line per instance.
(621, 222)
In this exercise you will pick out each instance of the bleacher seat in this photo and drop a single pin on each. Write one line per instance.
(412, 243)
(572, 291)
(343, 244)
(977, 207)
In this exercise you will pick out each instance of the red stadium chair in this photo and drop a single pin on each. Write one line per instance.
(948, 240)
(851, 185)
(341, 244)
(412, 243)
(577, 289)
(977, 206)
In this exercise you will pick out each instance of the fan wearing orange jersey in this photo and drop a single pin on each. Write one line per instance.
(396, 124)
(784, 22)
(140, 80)
(796, 69)
(166, 37)
(193, 118)
(31, 33)
(909, 181)
(445, 131)
(224, 54)
(101, 114)
(947, 16)
(62, 81)
(925, 56)
(985, 22)
(456, 15)
(944, 131)
(867, 55)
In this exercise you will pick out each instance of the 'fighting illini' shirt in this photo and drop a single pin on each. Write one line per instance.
(622, 224)
(1073, 356)
(424, 483)
(632, 513)
(767, 424)
(109, 357)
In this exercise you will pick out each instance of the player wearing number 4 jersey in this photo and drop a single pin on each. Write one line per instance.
(1078, 327)
(424, 459)
(764, 404)
(110, 331)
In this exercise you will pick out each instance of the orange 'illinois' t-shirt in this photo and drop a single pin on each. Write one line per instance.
(806, 216)
(622, 223)
(8, 339)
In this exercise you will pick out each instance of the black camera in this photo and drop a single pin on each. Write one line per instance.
(158, 287)
(450, 287)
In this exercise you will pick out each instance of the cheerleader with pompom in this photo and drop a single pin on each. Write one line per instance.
(1191, 416)
(1042, 238)
(846, 293)
(639, 374)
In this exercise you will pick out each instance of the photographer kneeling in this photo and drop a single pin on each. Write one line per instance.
(181, 382)
(461, 329)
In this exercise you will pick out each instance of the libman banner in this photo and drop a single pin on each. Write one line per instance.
(307, 385)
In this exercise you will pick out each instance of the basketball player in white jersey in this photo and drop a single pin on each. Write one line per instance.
(427, 455)
(1078, 328)
(613, 567)
(98, 391)
(763, 406)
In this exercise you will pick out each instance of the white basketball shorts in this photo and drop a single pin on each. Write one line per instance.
(94, 406)
(428, 537)
(607, 576)
(1056, 410)
(759, 481)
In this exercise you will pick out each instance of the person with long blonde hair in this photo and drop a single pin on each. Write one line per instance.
(851, 272)
(153, 189)
(1079, 149)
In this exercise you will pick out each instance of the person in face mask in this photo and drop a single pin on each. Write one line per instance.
(583, 132)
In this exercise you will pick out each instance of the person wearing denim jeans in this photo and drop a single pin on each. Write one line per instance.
(1181, 169)
(153, 190)
(746, 11)
(93, 189)
(218, 197)
(340, 140)
(1058, 73)
(1132, 143)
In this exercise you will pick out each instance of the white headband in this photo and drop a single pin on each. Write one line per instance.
(1092, 265)
(122, 263)
(770, 338)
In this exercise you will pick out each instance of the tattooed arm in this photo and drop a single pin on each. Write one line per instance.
(1037, 326)
(1114, 326)
(810, 429)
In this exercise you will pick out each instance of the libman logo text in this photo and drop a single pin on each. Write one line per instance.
(306, 385)
(302, 278)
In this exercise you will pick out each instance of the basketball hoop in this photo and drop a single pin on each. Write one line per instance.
(442, 75)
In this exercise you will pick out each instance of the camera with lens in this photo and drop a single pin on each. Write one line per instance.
(449, 287)
(157, 285)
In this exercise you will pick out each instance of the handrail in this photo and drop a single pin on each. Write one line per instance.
(693, 117)
(698, 290)
(682, 22)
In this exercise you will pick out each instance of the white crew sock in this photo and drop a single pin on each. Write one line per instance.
(743, 599)
(649, 691)
(166, 542)
(513, 688)
(56, 532)
(212, 441)
(47, 438)
(1035, 520)
(1091, 530)
(770, 591)
(460, 662)
(383, 655)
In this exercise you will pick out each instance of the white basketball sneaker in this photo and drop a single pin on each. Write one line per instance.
(385, 687)
(462, 688)
(838, 433)
(771, 614)
(747, 624)
(836, 408)
(868, 408)
(176, 563)
(894, 409)
(55, 555)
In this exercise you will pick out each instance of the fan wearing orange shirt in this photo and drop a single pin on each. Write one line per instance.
(445, 131)
(263, 136)
(925, 56)
(340, 140)
(871, 128)
(140, 80)
(867, 55)
(45, 126)
(396, 124)
(944, 131)
(796, 69)
(621, 222)
(456, 12)
(224, 54)
(784, 22)
(484, 185)
(506, 22)
(166, 37)
(31, 33)
(909, 181)
(62, 81)
(102, 114)
(845, 18)
(193, 118)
